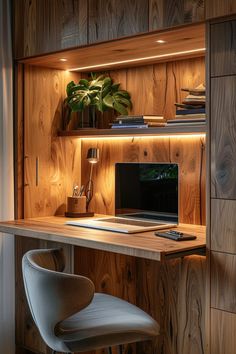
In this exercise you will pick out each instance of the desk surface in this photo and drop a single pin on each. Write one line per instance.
(144, 245)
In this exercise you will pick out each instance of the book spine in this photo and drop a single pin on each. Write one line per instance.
(125, 126)
(190, 111)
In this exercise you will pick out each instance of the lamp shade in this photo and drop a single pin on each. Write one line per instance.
(93, 155)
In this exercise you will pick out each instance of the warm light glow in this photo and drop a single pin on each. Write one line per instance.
(63, 59)
(161, 41)
(159, 56)
(179, 136)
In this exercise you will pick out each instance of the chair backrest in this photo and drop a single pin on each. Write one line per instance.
(52, 295)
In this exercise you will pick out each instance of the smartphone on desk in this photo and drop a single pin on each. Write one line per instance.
(175, 235)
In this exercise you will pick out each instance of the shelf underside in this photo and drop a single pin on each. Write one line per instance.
(160, 131)
(180, 42)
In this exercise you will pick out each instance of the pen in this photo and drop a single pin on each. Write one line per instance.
(81, 191)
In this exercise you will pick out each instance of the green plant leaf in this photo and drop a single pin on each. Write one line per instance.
(108, 100)
(120, 108)
(84, 82)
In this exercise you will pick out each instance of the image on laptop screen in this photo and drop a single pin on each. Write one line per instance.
(147, 191)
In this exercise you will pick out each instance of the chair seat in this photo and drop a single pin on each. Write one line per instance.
(107, 321)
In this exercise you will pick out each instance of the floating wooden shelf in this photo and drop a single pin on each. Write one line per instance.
(170, 130)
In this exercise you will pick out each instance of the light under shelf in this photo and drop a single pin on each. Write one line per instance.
(198, 129)
(179, 42)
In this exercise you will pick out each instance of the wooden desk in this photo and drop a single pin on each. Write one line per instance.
(144, 245)
(134, 267)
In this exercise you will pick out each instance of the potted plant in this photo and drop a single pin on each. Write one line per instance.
(99, 94)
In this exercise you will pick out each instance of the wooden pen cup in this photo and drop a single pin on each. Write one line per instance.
(76, 204)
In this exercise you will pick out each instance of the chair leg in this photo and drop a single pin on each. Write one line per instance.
(120, 349)
(109, 350)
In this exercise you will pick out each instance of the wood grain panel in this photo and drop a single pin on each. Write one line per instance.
(168, 13)
(19, 142)
(223, 48)
(27, 335)
(155, 88)
(58, 159)
(42, 26)
(188, 152)
(223, 285)
(109, 19)
(223, 327)
(223, 137)
(223, 225)
(217, 8)
(160, 290)
(111, 273)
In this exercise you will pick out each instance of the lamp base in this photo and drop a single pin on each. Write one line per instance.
(79, 215)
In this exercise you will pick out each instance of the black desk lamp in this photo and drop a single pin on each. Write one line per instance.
(93, 158)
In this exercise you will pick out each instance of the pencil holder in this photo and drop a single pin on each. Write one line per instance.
(76, 204)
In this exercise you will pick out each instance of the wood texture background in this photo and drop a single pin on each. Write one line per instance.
(217, 8)
(223, 137)
(223, 326)
(173, 293)
(59, 159)
(111, 19)
(222, 270)
(168, 13)
(223, 225)
(223, 285)
(223, 45)
(42, 26)
(188, 152)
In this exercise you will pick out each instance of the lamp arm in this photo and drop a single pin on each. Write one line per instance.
(89, 188)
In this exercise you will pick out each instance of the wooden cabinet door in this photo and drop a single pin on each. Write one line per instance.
(217, 8)
(223, 329)
(223, 137)
(223, 48)
(223, 284)
(168, 13)
(51, 164)
(111, 19)
(223, 225)
(43, 26)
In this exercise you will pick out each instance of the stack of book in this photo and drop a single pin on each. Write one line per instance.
(138, 122)
(192, 110)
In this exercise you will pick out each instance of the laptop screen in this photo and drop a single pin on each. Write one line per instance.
(147, 191)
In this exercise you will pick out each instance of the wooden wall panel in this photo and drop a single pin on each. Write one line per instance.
(110, 19)
(223, 340)
(223, 225)
(42, 26)
(223, 48)
(173, 293)
(223, 137)
(168, 13)
(217, 8)
(223, 285)
(58, 159)
(155, 88)
(188, 152)
(27, 335)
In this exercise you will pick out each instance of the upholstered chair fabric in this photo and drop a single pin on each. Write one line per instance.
(69, 316)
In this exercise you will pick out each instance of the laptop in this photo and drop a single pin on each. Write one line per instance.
(146, 198)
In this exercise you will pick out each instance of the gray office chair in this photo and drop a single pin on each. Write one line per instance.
(70, 316)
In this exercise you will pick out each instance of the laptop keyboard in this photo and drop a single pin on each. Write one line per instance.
(129, 222)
